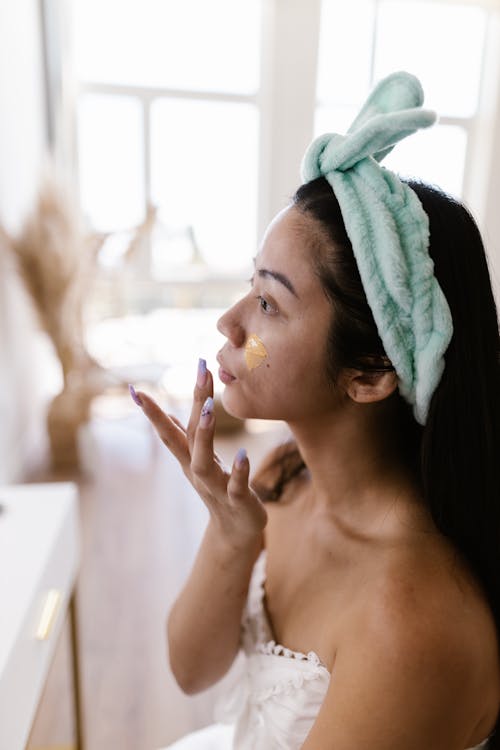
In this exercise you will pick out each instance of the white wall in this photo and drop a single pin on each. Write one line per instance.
(482, 182)
(22, 137)
(491, 226)
(491, 217)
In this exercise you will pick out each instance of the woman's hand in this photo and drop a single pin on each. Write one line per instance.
(234, 508)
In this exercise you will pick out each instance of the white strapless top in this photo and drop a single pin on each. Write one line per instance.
(279, 696)
(274, 704)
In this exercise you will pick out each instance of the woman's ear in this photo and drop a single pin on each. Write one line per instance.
(365, 386)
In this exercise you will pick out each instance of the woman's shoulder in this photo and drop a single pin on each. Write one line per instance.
(434, 640)
(429, 600)
(425, 576)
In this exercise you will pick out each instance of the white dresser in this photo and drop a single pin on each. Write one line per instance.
(39, 556)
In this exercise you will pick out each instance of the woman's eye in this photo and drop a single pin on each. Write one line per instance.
(266, 306)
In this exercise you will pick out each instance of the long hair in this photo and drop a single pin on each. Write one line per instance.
(456, 456)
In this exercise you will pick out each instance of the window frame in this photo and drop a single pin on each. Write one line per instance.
(286, 103)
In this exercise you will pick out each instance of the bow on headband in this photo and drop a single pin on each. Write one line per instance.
(389, 232)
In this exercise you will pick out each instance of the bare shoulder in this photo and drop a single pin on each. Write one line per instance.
(429, 575)
(417, 665)
(429, 612)
(401, 682)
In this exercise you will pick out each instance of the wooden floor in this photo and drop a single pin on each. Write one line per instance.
(141, 527)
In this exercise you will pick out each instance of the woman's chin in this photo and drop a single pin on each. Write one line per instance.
(237, 407)
(232, 406)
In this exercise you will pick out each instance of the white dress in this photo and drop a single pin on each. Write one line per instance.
(275, 702)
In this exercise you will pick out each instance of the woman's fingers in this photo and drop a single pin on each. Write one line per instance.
(169, 429)
(202, 454)
(203, 389)
(249, 513)
(206, 466)
(237, 486)
(232, 504)
(177, 422)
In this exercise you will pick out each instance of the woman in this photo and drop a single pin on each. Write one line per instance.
(360, 574)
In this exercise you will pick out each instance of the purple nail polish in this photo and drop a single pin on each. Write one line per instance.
(208, 407)
(134, 395)
(201, 377)
(240, 457)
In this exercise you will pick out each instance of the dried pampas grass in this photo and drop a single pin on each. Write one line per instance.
(56, 260)
(141, 238)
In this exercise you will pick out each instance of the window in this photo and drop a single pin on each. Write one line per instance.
(442, 43)
(167, 114)
(205, 108)
(204, 175)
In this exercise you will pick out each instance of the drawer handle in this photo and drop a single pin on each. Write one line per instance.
(49, 612)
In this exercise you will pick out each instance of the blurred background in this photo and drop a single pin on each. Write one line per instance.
(145, 145)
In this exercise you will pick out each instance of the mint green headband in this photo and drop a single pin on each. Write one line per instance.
(389, 232)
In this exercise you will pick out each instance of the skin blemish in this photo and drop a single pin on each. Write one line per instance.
(255, 352)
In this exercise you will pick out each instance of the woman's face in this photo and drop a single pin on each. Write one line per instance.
(286, 312)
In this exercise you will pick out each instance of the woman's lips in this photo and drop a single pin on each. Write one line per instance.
(226, 376)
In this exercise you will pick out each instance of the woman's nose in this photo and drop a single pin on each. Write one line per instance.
(231, 327)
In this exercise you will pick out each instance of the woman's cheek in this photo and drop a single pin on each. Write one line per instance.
(261, 393)
(255, 352)
(256, 394)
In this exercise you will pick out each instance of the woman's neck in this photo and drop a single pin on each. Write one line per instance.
(358, 474)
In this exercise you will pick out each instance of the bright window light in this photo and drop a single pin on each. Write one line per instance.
(204, 176)
(436, 155)
(188, 44)
(415, 156)
(441, 43)
(344, 64)
(110, 161)
(331, 119)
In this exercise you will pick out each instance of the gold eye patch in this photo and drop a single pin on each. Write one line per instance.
(255, 352)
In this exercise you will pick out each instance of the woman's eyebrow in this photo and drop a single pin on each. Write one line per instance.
(264, 273)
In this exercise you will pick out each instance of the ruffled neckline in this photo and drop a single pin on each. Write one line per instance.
(266, 645)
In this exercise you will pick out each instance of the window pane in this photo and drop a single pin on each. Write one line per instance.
(331, 119)
(186, 44)
(204, 178)
(344, 67)
(441, 43)
(436, 155)
(110, 159)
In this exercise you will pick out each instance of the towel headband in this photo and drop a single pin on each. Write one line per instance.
(389, 232)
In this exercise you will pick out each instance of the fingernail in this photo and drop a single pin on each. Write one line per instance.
(240, 458)
(134, 395)
(206, 412)
(201, 378)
